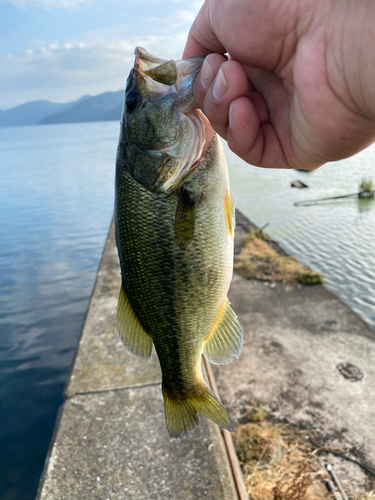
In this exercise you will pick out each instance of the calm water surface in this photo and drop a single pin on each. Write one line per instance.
(336, 238)
(56, 203)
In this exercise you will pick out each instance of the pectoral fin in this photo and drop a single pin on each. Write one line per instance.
(132, 334)
(185, 217)
(226, 338)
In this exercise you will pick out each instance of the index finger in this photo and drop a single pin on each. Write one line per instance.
(202, 39)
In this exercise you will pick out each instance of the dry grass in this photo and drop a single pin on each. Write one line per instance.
(256, 234)
(369, 496)
(278, 465)
(258, 260)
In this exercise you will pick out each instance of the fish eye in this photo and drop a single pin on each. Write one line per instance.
(132, 100)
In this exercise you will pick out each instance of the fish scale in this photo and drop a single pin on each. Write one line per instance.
(176, 257)
(174, 286)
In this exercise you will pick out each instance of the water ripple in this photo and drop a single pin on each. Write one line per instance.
(336, 238)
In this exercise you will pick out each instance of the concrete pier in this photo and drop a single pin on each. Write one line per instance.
(308, 359)
(110, 439)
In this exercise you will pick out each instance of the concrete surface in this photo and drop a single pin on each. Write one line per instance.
(114, 445)
(110, 439)
(309, 360)
(101, 361)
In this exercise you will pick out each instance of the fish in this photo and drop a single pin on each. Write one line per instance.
(174, 226)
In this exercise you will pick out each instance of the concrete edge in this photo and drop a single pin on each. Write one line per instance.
(248, 226)
(224, 456)
(64, 394)
(228, 440)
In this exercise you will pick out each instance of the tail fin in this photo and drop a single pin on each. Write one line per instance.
(182, 415)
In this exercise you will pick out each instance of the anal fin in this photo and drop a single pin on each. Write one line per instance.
(131, 332)
(226, 338)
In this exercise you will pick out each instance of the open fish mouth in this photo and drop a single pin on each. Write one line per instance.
(162, 82)
(163, 77)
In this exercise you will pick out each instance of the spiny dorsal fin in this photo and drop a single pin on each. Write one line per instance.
(132, 334)
(181, 415)
(185, 217)
(230, 212)
(226, 338)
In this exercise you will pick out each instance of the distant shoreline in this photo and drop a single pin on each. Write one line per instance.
(102, 107)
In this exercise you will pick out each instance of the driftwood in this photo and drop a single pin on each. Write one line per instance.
(360, 194)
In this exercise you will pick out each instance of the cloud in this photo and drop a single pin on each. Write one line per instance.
(92, 63)
(61, 72)
(49, 4)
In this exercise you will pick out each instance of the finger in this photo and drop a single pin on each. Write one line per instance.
(260, 106)
(243, 126)
(207, 76)
(202, 39)
(230, 83)
(194, 48)
(255, 143)
(277, 101)
(259, 126)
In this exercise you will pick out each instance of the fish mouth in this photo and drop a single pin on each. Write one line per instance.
(162, 77)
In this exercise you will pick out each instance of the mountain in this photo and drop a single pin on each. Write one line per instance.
(31, 113)
(114, 113)
(28, 114)
(107, 106)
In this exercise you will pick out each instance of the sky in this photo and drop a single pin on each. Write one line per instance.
(61, 50)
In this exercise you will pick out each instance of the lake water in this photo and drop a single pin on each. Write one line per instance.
(56, 204)
(336, 238)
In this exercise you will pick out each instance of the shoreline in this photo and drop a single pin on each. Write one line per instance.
(110, 439)
(308, 360)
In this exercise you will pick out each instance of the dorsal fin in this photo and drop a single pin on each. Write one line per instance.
(133, 335)
(226, 338)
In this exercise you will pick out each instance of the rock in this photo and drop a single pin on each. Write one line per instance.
(298, 184)
(350, 372)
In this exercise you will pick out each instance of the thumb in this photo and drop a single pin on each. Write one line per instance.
(202, 39)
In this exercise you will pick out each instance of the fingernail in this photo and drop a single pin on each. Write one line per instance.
(220, 86)
(231, 116)
(207, 75)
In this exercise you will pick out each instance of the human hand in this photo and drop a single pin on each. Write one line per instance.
(298, 89)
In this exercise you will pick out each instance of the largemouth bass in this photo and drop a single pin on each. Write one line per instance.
(174, 216)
